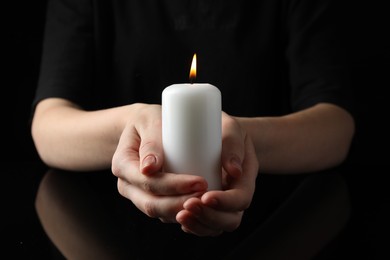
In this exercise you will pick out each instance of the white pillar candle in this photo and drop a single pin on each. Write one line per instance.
(191, 131)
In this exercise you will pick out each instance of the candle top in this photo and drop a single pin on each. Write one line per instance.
(191, 89)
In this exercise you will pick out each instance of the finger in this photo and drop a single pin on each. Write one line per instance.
(239, 195)
(163, 207)
(126, 156)
(205, 220)
(150, 150)
(168, 183)
(126, 167)
(233, 200)
(233, 150)
(190, 224)
(158, 184)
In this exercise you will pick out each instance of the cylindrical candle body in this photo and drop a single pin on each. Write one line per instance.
(191, 131)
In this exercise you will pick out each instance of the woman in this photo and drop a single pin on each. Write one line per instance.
(97, 120)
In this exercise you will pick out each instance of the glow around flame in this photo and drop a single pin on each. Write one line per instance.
(193, 69)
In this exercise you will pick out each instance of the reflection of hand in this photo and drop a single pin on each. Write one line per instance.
(137, 162)
(217, 211)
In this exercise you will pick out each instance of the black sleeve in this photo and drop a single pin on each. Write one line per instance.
(317, 54)
(67, 55)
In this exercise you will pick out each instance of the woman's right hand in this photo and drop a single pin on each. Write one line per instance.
(138, 165)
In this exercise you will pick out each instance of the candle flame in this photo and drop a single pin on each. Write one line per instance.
(193, 69)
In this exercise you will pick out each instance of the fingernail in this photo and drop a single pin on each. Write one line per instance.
(148, 160)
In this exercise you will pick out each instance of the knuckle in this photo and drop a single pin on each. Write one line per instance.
(146, 185)
(117, 166)
(115, 170)
(148, 145)
(146, 120)
(150, 209)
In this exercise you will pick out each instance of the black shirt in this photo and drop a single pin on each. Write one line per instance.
(268, 57)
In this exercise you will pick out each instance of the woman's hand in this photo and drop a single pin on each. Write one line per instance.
(182, 198)
(137, 162)
(218, 211)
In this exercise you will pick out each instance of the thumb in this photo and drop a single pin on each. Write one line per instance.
(233, 146)
(150, 151)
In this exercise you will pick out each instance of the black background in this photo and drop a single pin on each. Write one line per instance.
(366, 235)
(21, 234)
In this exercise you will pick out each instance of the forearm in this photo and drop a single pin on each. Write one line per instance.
(310, 140)
(69, 138)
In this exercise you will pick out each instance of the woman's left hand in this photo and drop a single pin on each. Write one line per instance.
(218, 211)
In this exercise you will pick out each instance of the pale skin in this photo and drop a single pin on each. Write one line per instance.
(127, 139)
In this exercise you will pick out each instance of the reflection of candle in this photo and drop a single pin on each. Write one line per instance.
(191, 129)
